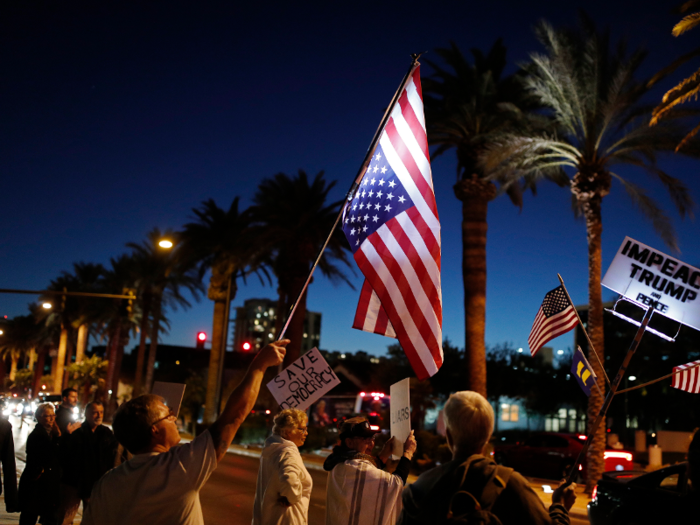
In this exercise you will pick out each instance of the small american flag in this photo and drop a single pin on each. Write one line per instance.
(393, 228)
(687, 377)
(556, 316)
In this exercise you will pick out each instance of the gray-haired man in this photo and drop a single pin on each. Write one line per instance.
(161, 483)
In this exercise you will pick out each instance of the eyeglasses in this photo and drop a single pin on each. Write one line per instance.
(171, 416)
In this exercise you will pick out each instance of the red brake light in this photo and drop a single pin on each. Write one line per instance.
(594, 495)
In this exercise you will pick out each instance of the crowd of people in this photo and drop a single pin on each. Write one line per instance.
(64, 459)
(69, 463)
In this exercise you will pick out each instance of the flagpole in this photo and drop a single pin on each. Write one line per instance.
(657, 380)
(353, 187)
(612, 391)
(595, 353)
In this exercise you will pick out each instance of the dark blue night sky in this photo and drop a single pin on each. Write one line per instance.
(118, 117)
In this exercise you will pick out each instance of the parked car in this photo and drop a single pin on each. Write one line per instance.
(552, 455)
(629, 497)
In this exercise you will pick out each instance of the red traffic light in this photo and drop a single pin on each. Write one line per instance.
(201, 336)
(246, 346)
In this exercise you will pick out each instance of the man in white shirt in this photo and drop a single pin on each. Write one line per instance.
(161, 483)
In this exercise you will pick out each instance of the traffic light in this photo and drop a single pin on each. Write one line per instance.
(246, 346)
(201, 339)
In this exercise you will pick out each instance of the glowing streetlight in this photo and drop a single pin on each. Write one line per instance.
(165, 243)
(46, 306)
(632, 378)
(1, 332)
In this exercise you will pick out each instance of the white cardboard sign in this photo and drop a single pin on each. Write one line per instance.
(305, 381)
(643, 275)
(400, 407)
(172, 393)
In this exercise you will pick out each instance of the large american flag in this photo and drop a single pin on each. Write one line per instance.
(393, 228)
(687, 377)
(556, 316)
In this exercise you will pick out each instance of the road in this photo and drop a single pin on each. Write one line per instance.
(227, 499)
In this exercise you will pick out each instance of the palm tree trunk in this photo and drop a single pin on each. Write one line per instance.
(60, 361)
(594, 230)
(13, 367)
(150, 367)
(214, 357)
(39, 370)
(69, 359)
(295, 331)
(112, 356)
(82, 343)
(32, 358)
(475, 195)
(140, 357)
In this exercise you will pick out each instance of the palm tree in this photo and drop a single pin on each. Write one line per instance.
(89, 278)
(225, 242)
(468, 106)
(114, 321)
(595, 101)
(161, 279)
(296, 221)
(688, 88)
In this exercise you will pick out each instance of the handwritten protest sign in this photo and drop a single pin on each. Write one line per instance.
(648, 276)
(400, 407)
(302, 383)
(172, 393)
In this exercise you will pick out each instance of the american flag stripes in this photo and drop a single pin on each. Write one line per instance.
(555, 317)
(393, 228)
(687, 377)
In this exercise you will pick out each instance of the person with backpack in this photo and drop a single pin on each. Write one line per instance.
(472, 489)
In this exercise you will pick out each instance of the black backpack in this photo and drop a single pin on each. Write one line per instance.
(464, 508)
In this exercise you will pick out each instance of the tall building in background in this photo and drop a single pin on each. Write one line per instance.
(255, 326)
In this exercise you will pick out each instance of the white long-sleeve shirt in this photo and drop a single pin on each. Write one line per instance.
(282, 473)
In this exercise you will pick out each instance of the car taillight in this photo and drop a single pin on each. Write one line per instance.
(594, 496)
(618, 455)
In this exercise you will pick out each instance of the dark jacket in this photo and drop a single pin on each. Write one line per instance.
(39, 483)
(517, 504)
(86, 456)
(9, 468)
(64, 416)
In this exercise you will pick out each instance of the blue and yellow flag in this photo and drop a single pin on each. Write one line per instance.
(583, 372)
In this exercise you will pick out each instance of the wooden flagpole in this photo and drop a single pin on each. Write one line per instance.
(355, 183)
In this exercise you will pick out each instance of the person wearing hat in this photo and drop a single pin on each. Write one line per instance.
(359, 490)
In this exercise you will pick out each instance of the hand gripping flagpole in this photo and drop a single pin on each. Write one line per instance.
(355, 183)
(595, 353)
(612, 391)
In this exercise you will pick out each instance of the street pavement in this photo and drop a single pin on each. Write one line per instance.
(227, 498)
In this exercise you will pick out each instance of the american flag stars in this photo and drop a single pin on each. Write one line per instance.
(385, 204)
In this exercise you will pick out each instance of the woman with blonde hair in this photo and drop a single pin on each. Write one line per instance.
(284, 485)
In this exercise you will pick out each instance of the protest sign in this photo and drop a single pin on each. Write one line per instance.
(172, 393)
(400, 407)
(644, 275)
(302, 383)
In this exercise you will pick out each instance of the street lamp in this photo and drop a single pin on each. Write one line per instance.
(46, 306)
(165, 243)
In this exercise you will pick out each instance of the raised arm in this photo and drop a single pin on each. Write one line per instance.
(242, 399)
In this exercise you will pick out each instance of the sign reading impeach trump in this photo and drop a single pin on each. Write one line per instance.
(645, 275)
(303, 382)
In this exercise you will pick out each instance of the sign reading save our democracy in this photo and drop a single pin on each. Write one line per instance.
(644, 275)
(303, 382)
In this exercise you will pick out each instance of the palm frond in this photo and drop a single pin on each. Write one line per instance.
(649, 209)
(686, 24)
